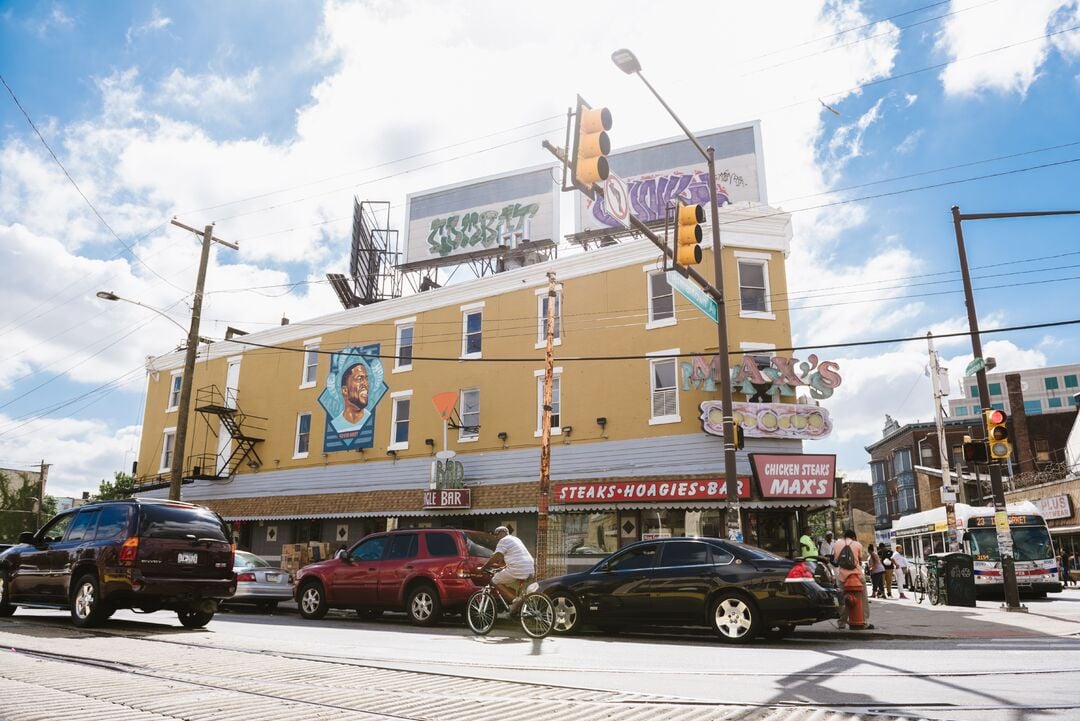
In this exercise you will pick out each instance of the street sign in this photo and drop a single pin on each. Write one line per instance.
(974, 367)
(687, 289)
(617, 199)
(948, 494)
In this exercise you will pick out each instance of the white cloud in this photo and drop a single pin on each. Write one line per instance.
(156, 22)
(910, 141)
(998, 25)
(209, 90)
(909, 99)
(56, 19)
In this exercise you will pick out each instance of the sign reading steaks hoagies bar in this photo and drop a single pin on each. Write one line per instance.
(448, 498)
(794, 475)
(622, 491)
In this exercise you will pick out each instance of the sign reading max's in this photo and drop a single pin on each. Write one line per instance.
(794, 475)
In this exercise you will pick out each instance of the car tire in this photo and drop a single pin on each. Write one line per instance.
(423, 606)
(369, 614)
(568, 613)
(6, 609)
(266, 606)
(194, 618)
(87, 607)
(312, 601)
(734, 618)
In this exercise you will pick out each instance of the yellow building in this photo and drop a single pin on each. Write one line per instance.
(300, 468)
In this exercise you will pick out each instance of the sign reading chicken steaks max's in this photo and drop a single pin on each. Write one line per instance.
(794, 475)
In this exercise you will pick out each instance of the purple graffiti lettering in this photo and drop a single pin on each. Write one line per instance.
(650, 195)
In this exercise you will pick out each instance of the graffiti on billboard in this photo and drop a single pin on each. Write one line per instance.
(354, 387)
(651, 194)
(482, 229)
(763, 385)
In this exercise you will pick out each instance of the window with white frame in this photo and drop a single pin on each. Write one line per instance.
(542, 302)
(303, 435)
(754, 285)
(168, 442)
(470, 415)
(472, 325)
(661, 301)
(404, 354)
(309, 375)
(175, 382)
(664, 392)
(556, 401)
(401, 406)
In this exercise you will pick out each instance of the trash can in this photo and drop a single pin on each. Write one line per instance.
(954, 574)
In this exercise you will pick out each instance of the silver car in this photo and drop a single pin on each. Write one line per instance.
(260, 583)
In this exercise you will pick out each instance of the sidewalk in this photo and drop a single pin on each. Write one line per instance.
(1056, 615)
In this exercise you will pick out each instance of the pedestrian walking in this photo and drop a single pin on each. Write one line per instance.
(825, 548)
(1066, 560)
(877, 573)
(885, 553)
(807, 547)
(901, 563)
(843, 573)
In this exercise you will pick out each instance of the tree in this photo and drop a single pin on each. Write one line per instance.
(19, 509)
(122, 486)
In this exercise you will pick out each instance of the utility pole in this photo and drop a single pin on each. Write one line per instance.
(545, 433)
(1001, 515)
(184, 407)
(948, 491)
(44, 471)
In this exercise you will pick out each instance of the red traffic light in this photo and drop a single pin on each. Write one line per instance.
(995, 417)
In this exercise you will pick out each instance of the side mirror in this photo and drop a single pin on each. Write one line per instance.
(26, 537)
(342, 555)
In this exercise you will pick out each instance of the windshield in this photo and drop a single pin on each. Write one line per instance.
(481, 545)
(1030, 543)
(179, 522)
(249, 560)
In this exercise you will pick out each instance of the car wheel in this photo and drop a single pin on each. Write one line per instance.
(87, 607)
(424, 607)
(369, 614)
(734, 618)
(6, 609)
(313, 601)
(267, 606)
(194, 618)
(567, 613)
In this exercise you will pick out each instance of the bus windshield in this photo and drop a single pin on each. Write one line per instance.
(1030, 543)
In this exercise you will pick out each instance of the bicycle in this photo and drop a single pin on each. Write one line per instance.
(919, 584)
(537, 615)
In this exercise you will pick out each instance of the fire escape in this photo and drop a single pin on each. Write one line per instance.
(244, 432)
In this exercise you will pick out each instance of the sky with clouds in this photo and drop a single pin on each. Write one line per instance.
(266, 118)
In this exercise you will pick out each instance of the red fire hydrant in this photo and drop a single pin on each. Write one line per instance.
(853, 596)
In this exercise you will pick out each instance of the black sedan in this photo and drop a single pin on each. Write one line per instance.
(739, 591)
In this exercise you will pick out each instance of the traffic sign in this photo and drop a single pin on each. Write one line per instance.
(694, 294)
(974, 367)
(617, 199)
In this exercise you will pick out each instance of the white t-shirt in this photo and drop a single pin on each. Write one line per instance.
(825, 549)
(518, 560)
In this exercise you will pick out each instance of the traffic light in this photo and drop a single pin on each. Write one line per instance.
(997, 434)
(975, 451)
(589, 163)
(688, 220)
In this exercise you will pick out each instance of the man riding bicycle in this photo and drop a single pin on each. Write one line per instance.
(515, 565)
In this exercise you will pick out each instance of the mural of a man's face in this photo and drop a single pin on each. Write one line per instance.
(354, 391)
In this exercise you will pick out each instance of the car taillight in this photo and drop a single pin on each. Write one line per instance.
(800, 572)
(462, 570)
(248, 577)
(232, 555)
(129, 550)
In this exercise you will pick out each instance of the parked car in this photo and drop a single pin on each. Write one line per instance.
(739, 591)
(424, 572)
(144, 554)
(259, 583)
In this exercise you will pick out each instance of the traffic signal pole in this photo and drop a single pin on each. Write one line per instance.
(1001, 515)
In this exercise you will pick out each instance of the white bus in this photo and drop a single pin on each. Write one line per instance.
(924, 533)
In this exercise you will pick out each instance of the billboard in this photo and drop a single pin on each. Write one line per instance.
(497, 212)
(655, 173)
(354, 387)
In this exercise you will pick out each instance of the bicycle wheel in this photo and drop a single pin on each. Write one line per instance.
(481, 612)
(537, 615)
(933, 592)
(920, 587)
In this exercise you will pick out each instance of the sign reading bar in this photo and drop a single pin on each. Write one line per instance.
(620, 491)
(448, 498)
(794, 475)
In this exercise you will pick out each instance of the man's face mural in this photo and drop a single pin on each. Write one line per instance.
(354, 390)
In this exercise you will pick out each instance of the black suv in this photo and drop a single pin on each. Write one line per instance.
(136, 553)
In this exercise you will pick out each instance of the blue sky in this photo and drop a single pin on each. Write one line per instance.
(162, 109)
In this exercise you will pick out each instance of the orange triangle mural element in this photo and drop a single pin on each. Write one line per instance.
(444, 403)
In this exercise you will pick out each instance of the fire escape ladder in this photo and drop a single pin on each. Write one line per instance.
(245, 432)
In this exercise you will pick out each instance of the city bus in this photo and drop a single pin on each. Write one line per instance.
(924, 533)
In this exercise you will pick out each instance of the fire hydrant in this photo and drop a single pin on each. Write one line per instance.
(853, 597)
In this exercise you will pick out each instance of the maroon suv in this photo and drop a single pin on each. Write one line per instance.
(423, 571)
(136, 553)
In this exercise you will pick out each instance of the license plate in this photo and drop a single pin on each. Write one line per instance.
(187, 558)
(273, 577)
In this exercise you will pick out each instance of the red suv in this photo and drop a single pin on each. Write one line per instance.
(423, 571)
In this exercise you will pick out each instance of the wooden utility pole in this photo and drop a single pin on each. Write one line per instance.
(183, 409)
(545, 434)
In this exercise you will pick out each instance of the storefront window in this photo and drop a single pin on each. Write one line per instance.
(591, 534)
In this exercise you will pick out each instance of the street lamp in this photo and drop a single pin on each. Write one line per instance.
(629, 64)
(109, 295)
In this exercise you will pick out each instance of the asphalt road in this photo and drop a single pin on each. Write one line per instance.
(242, 655)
